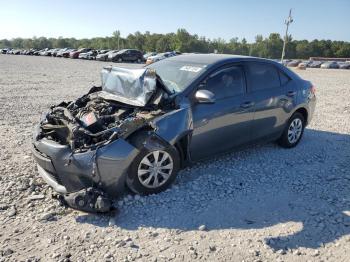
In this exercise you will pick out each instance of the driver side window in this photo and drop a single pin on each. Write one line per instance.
(227, 82)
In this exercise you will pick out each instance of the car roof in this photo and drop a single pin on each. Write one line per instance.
(215, 58)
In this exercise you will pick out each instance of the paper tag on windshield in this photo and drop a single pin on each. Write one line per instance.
(194, 69)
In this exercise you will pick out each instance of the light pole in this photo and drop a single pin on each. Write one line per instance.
(288, 21)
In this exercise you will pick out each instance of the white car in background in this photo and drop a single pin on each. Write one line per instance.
(161, 56)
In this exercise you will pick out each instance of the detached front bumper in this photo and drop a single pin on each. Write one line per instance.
(67, 172)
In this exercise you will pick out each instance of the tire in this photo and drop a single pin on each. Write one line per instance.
(139, 60)
(120, 60)
(293, 131)
(139, 171)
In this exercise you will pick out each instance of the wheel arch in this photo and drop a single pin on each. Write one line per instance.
(147, 138)
(303, 111)
(182, 146)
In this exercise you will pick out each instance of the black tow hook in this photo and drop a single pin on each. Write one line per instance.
(89, 200)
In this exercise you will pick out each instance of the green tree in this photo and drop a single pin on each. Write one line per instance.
(183, 41)
(274, 46)
(117, 36)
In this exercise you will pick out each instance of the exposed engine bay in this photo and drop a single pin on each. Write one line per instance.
(100, 117)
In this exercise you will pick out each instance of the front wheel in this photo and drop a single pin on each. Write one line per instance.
(293, 132)
(153, 171)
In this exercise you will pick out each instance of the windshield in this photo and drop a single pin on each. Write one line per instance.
(177, 75)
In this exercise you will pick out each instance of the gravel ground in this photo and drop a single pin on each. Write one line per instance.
(261, 203)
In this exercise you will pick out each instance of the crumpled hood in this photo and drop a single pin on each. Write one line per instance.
(129, 86)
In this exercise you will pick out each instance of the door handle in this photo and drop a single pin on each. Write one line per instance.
(291, 93)
(247, 104)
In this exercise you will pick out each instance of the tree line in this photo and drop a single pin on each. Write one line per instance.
(183, 41)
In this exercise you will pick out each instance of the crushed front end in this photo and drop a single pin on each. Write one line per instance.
(81, 147)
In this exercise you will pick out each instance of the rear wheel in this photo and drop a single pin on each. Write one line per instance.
(153, 171)
(293, 132)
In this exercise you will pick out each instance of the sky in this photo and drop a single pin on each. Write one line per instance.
(313, 19)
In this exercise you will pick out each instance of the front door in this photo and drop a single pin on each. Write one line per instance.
(226, 123)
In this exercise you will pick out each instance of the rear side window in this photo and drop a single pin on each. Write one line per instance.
(284, 78)
(262, 76)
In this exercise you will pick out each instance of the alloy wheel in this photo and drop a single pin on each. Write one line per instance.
(294, 131)
(155, 169)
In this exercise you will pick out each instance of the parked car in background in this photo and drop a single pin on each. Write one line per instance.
(5, 50)
(66, 53)
(330, 65)
(103, 51)
(315, 64)
(55, 51)
(112, 55)
(127, 55)
(104, 56)
(285, 62)
(344, 65)
(42, 52)
(304, 64)
(294, 63)
(91, 55)
(147, 55)
(158, 57)
(61, 51)
(37, 52)
(31, 51)
(47, 52)
(75, 54)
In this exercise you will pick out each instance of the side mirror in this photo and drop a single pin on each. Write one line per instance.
(205, 97)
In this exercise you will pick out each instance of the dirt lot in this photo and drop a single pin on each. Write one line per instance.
(262, 203)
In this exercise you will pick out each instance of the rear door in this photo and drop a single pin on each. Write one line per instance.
(274, 96)
(226, 122)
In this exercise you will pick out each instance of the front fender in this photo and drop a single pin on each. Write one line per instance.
(174, 125)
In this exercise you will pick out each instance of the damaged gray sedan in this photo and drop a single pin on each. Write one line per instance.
(143, 125)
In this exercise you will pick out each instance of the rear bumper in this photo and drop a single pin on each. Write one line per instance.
(67, 172)
(311, 108)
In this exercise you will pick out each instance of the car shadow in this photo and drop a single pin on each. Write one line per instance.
(253, 189)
